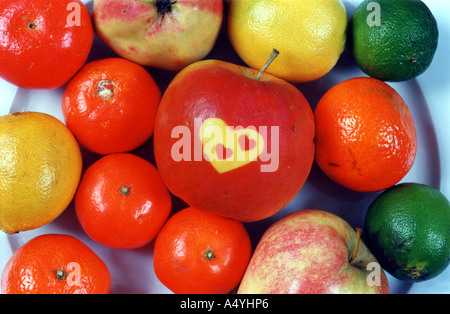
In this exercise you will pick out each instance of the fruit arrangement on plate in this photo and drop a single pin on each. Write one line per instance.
(199, 138)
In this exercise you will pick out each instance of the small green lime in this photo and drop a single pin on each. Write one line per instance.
(407, 228)
(393, 40)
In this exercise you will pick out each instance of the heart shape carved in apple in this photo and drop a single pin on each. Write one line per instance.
(227, 147)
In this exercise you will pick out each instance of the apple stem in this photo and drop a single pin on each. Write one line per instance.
(272, 57)
(355, 249)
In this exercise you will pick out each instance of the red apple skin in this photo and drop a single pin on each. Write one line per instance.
(308, 252)
(135, 30)
(217, 89)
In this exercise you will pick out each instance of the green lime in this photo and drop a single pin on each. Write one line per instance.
(393, 40)
(407, 228)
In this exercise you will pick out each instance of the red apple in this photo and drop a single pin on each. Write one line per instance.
(231, 143)
(159, 33)
(311, 252)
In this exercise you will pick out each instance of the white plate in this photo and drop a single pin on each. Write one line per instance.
(428, 98)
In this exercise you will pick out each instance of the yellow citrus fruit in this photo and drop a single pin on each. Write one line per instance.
(40, 168)
(309, 34)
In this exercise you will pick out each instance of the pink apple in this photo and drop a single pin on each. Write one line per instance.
(164, 34)
(309, 252)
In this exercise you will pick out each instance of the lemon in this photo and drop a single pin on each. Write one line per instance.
(310, 35)
(40, 168)
(393, 40)
(407, 228)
